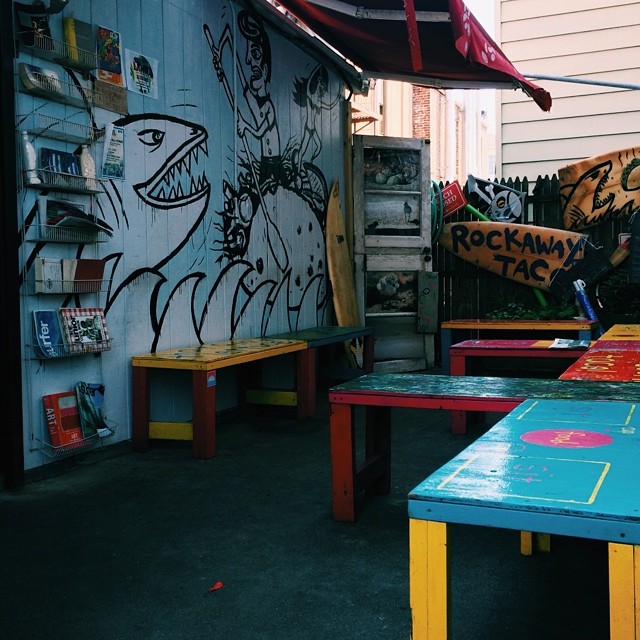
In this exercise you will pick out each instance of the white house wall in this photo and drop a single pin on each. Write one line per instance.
(581, 39)
(244, 256)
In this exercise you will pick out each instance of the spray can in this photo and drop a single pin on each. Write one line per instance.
(585, 304)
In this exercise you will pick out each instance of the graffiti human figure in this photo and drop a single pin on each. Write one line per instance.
(310, 93)
(263, 124)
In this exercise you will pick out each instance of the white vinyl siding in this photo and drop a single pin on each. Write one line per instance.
(572, 39)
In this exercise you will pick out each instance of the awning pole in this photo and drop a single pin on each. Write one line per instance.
(601, 83)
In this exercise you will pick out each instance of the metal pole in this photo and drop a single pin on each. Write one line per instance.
(601, 83)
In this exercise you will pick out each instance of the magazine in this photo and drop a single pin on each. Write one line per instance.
(63, 419)
(568, 343)
(48, 334)
(85, 329)
(90, 398)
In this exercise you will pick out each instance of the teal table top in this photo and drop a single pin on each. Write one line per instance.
(416, 384)
(564, 467)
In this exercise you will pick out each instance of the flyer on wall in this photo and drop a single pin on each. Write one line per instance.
(109, 51)
(142, 73)
(113, 155)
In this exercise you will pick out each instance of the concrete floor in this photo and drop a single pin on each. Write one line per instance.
(124, 546)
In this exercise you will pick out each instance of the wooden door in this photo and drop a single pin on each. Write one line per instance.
(392, 249)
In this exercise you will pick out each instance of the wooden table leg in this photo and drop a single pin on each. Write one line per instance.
(368, 354)
(306, 382)
(624, 591)
(378, 450)
(428, 579)
(140, 412)
(343, 462)
(446, 339)
(458, 367)
(203, 400)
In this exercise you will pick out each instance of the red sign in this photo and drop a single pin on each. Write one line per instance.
(453, 199)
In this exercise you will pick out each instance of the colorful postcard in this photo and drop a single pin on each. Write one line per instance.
(109, 52)
(113, 159)
(142, 74)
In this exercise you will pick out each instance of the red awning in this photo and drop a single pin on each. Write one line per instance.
(436, 43)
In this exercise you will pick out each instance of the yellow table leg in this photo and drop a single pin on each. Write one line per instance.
(526, 543)
(624, 591)
(428, 580)
(542, 542)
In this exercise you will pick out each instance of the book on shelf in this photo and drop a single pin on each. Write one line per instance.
(49, 277)
(47, 332)
(79, 36)
(90, 397)
(63, 213)
(82, 275)
(84, 329)
(33, 26)
(63, 419)
(568, 343)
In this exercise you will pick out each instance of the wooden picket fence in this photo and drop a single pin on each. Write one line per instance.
(469, 292)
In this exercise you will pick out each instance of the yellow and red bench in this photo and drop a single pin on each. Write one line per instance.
(205, 361)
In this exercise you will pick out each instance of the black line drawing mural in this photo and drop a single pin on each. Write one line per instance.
(311, 93)
(173, 189)
(268, 174)
(175, 252)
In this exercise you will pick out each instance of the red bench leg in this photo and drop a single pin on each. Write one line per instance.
(140, 414)
(306, 383)
(458, 367)
(343, 462)
(378, 449)
(204, 414)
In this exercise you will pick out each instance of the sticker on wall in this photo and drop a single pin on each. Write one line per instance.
(113, 156)
(109, 52)
(142, 74)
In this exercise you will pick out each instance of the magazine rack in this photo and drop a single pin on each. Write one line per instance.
(48, 233)
(61, 53)
(40, 124)
(64, 351)
(66, 182)
(77, 447)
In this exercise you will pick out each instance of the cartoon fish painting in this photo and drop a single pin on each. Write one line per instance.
(600, 189)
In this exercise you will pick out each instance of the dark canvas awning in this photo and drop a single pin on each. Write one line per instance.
(435, 43)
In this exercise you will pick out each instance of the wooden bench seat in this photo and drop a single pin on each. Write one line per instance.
(204, 361)
(461, 352)
(380, 393)
(304, 397)
(452, 331)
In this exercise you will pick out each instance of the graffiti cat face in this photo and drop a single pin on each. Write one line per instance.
(173, 152)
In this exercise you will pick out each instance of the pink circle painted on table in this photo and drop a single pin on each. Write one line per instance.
(567, 438)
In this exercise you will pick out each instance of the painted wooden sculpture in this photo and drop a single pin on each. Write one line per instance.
(600, 189)
(528, 254)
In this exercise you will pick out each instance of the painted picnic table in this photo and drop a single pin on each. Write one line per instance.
(461, 352)
(615, 356)
(566, 467)
(451, 331)
(622, 332)
(380, 393)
